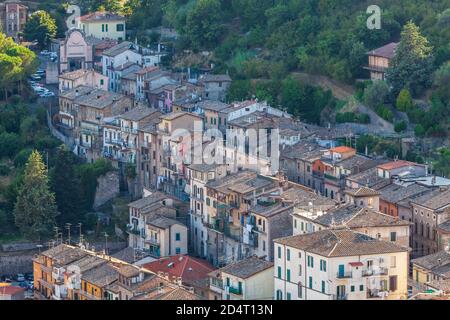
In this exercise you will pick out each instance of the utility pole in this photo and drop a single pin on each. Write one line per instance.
(106, 243)
(68, 225)
(56, 233)
(79, 234)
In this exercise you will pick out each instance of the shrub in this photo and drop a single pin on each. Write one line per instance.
(400, 126)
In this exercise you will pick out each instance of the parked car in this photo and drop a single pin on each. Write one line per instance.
(44, 53)
(40, 72)
(29, 276)
(20, 277)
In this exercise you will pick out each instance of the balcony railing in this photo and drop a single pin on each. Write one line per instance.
(153, 241)
(344, 275)
(340, 297)
(375, 272)
(236, 291)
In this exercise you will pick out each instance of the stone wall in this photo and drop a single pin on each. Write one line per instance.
(14, 263)
(107, 188)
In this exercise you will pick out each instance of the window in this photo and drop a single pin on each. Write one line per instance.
(393, 236)
(288, 275)
(295, 223)
(288, 254)
(361, 287)
(352, 288)
(300, 289)
(299, 269)
(279, 272)
(323, 286)
(310, 261)
(119, 27)
(310, 282)
(323, 265)
(279, 252)
(177, 236)
(177, 250)
(279, 295)
(288, 296)
(393, 262)
(103, 28)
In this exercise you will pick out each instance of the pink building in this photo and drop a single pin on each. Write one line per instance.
(82, 77)
(13, 16)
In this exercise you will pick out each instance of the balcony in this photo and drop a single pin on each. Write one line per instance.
(153, 242)
(330, 177)
(88, 296)
(133, 230)
(129, 130)
(235, 291)
(344, 275)
(340, 297)
(375, 272)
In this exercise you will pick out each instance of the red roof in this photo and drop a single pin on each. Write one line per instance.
(342, 149)
(396, 164)
(187, 268)
(11, 290)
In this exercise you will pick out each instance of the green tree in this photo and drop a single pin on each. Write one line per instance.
(9, 144)
(376, 94)
(412, 65)
(442, 81)
(35, 209)
(40, 27)
(204, 24)
(66, 185)
(442, 165)
(400, 126)
(404, 101)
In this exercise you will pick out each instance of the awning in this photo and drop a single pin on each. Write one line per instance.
(356, 264)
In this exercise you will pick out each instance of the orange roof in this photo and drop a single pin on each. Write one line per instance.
(396, 164)
(342, 149)
(187, 268)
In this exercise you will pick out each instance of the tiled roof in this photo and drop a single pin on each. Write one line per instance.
(342, 149)
(75, 74)
(357, 162)
(435, 200)
(372, 218)
(64, 254)
(394, 193)
(369, 178)
(443, 284)
(163, 222)
(129, 271)
(156, 196)
(212, 105)
(339, 243)
(362, 192)
(101, 276)
(140, 113)
(76, 92)
(101, 16)
(120, 48)
(397, 164)
(179, 294)
(98, 98)
(270, 210)
(127, 255)
(187, 268)
(386, 51)
(246, 268)
(434, 260)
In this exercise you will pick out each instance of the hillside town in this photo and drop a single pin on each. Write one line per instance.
(221, 199)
